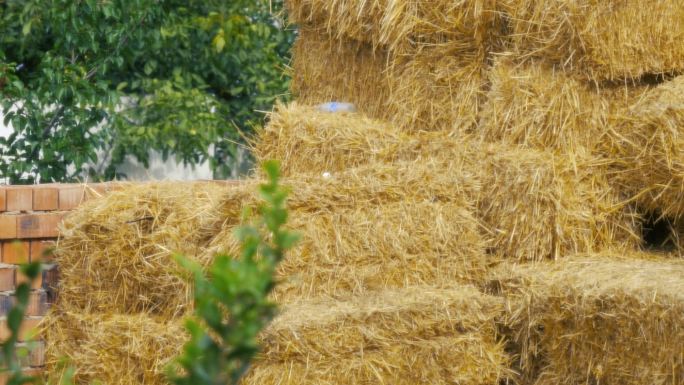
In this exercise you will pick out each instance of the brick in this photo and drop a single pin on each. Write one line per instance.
(19, 199)
(28, 330)
(6, 303)
(37, 355)
(71, 197)
(30, 372)
(38, 305)
(51, 282)
(34, 354)
(16, 252)
(42, 250)
(8, 226)
(45, 199)
(21, 278)
(3, 199)
(38, 225)
(7, 278)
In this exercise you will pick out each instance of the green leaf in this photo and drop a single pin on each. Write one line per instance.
(219, 42)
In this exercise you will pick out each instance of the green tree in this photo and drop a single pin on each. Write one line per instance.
(85, 83)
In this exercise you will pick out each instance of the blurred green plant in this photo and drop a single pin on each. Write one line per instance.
(87, 83)
(231, 299)
(10, 353)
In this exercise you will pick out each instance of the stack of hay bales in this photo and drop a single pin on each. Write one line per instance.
(477, 222)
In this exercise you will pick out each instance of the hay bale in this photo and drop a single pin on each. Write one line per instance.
(325, 70)
(307, 140)
(413, 335)
(600, 40)
(347, 251)
(538, 107)
(115, 253)
(112, 348)
(436, 88)
(465, 25)
(646, 142)
(597, 319)
(431, 88)
(441, 361)
(537, 205)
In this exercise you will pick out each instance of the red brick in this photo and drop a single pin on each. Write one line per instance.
(8, 226)
(38, 304)
(42, 250)
(7, 301)
(16, 252)
(7, 278)
(31, 372)
(19, 199)
(71, 196)
(29, 329)
(51, 282)
(45, 199)
(21, 278)
(3, 199)
(38, 225)
(35, 354)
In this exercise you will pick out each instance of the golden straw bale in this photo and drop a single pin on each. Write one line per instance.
(111, 349)
(435, 88)
(538, 107)
(600, 40)
(115, 253)
(431, 88)
(306, 140)
(413, 335)
(647, 143)
(351, 251)
(597, 319)
(537, 205)
(326, 70)
(302, 137)
(466, 24)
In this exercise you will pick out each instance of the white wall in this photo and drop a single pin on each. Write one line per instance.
(159, 169)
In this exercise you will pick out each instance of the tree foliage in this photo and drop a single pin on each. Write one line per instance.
(86, 83)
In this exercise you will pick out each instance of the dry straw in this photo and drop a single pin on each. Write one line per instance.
(600, 39)
(534, 205)
(353, 251)
(435, 87)
(325, 70)
(302, 137)
(413, 335)
(597, 319)
(115, 253)
(646, 144)
(111, 348)
(538, 107)
(537, 205)
(468, 25)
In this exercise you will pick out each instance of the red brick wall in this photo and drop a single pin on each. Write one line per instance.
(29, 219)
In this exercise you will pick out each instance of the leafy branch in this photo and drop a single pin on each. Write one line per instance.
(231, 300)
